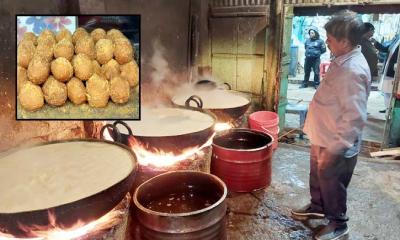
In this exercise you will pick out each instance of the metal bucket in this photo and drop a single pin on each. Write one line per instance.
(242, 159)
(181, 205)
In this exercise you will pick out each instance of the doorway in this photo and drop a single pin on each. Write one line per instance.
(298, 99)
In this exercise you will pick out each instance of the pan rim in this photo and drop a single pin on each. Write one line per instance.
(132, 157)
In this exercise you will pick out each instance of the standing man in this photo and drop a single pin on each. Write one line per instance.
(336, 117)
(368, 49)
(314, 48)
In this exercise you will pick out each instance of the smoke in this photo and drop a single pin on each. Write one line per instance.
(164, 82)
(159, 64)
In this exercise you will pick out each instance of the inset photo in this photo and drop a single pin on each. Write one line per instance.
(78, 67)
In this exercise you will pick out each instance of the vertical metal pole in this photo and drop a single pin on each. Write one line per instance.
(189, 46)
(389, 116)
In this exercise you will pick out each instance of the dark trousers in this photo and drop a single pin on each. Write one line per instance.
(330, 175)
(311, 63)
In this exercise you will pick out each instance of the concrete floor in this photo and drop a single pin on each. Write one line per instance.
(374, 128)
(373, 201)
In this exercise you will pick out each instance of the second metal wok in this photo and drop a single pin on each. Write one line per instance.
(227, 105)
(166, 129)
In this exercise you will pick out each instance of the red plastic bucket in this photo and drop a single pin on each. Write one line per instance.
(266, 121)
(242, 159)
(263, 118)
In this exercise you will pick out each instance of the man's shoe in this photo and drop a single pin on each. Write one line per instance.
(307, 212)
(332, 232)
(303, 86)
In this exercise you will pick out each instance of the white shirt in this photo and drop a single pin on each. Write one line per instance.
(338, 110)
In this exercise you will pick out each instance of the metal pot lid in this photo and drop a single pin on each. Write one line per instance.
(50, 175)
(170, 122)
(213, 99)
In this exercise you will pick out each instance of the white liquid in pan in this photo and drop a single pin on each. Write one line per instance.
(216, 99)
(55, 174)
(170, 122)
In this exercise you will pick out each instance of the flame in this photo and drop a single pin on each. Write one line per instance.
(4, 236)
(53, 231)
(160, 158)
(222, 126)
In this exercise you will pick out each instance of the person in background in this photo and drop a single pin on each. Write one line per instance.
(368, 49)
(336, 116)
(388, 69)
(314, 48)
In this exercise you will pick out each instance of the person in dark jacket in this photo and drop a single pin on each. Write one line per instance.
(314, 48)
(368, 49)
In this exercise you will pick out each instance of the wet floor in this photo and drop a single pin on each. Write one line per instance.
(373, 201)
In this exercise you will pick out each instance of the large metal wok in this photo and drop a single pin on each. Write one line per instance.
(166, 129)
(85, 210)
(227, 105)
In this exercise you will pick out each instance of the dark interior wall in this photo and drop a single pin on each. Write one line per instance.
(164, 21)
(201, 9)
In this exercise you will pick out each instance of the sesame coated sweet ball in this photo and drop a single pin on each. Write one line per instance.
(31, 97)
(76, 91)
(119, 90)
(30, 36)
(78, 34)
(38, 70)
(55, 92)
(61, 69)
(96, 67)
(85, 45)
(22, 78)
(104, 50)
(45, 51)
(64, 48)
(98, 34)
(64, 34)
(110, 69)
(46, 35)
(130, 71)
(83, 67)
(123, 50)
(114, 34)
(98, 91)
(25, 51)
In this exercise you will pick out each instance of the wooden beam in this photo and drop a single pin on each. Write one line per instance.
(273, 57)
(389, 152)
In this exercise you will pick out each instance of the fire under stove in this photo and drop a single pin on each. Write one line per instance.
(112, 226)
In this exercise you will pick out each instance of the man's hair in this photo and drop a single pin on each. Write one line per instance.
(366, 27)
(345, 25)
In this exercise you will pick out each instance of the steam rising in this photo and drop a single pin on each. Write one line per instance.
(159, 64)
(164, 83)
